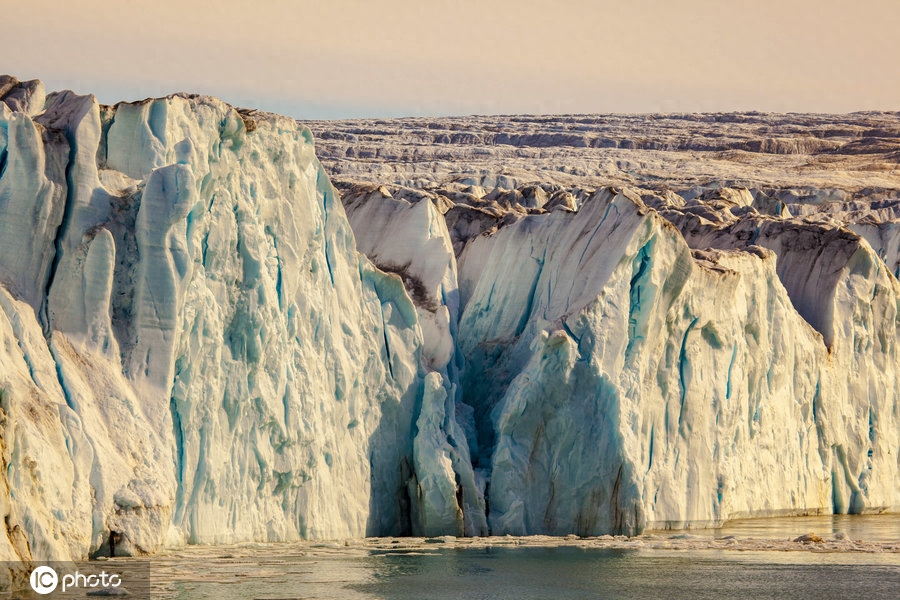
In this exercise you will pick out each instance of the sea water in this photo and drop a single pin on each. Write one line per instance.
(859, 557)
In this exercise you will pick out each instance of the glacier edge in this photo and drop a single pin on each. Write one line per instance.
(201, 341)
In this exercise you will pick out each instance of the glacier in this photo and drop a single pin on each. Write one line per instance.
(193, 349)
(203, 341)
(623, 379)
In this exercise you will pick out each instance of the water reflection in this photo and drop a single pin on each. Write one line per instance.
(872, 528)
(574, 573)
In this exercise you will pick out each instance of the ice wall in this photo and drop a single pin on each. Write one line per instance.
(632, 368)
(192, 348)
(663, 387)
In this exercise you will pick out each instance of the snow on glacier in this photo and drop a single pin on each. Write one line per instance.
(199, 345)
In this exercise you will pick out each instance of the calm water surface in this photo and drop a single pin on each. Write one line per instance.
(533, 573)
(872, 528)
(433, 571)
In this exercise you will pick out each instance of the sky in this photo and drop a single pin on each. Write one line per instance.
(323, 59)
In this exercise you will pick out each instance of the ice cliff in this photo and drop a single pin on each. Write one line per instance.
(638, 362)
(192, 348)
(199, 343)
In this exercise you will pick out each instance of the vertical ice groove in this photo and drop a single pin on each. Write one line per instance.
(157, 120)
(178, 434)
(684, 367)
(323, 187)
(529, 302)
(569, 331)
(728, 376)
(638, 313)
(387, 343)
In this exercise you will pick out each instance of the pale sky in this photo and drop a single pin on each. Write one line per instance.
(352, 58)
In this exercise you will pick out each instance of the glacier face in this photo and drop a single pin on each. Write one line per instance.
(202, 342)
(633, 365)
(193, 349)
(637, 359)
